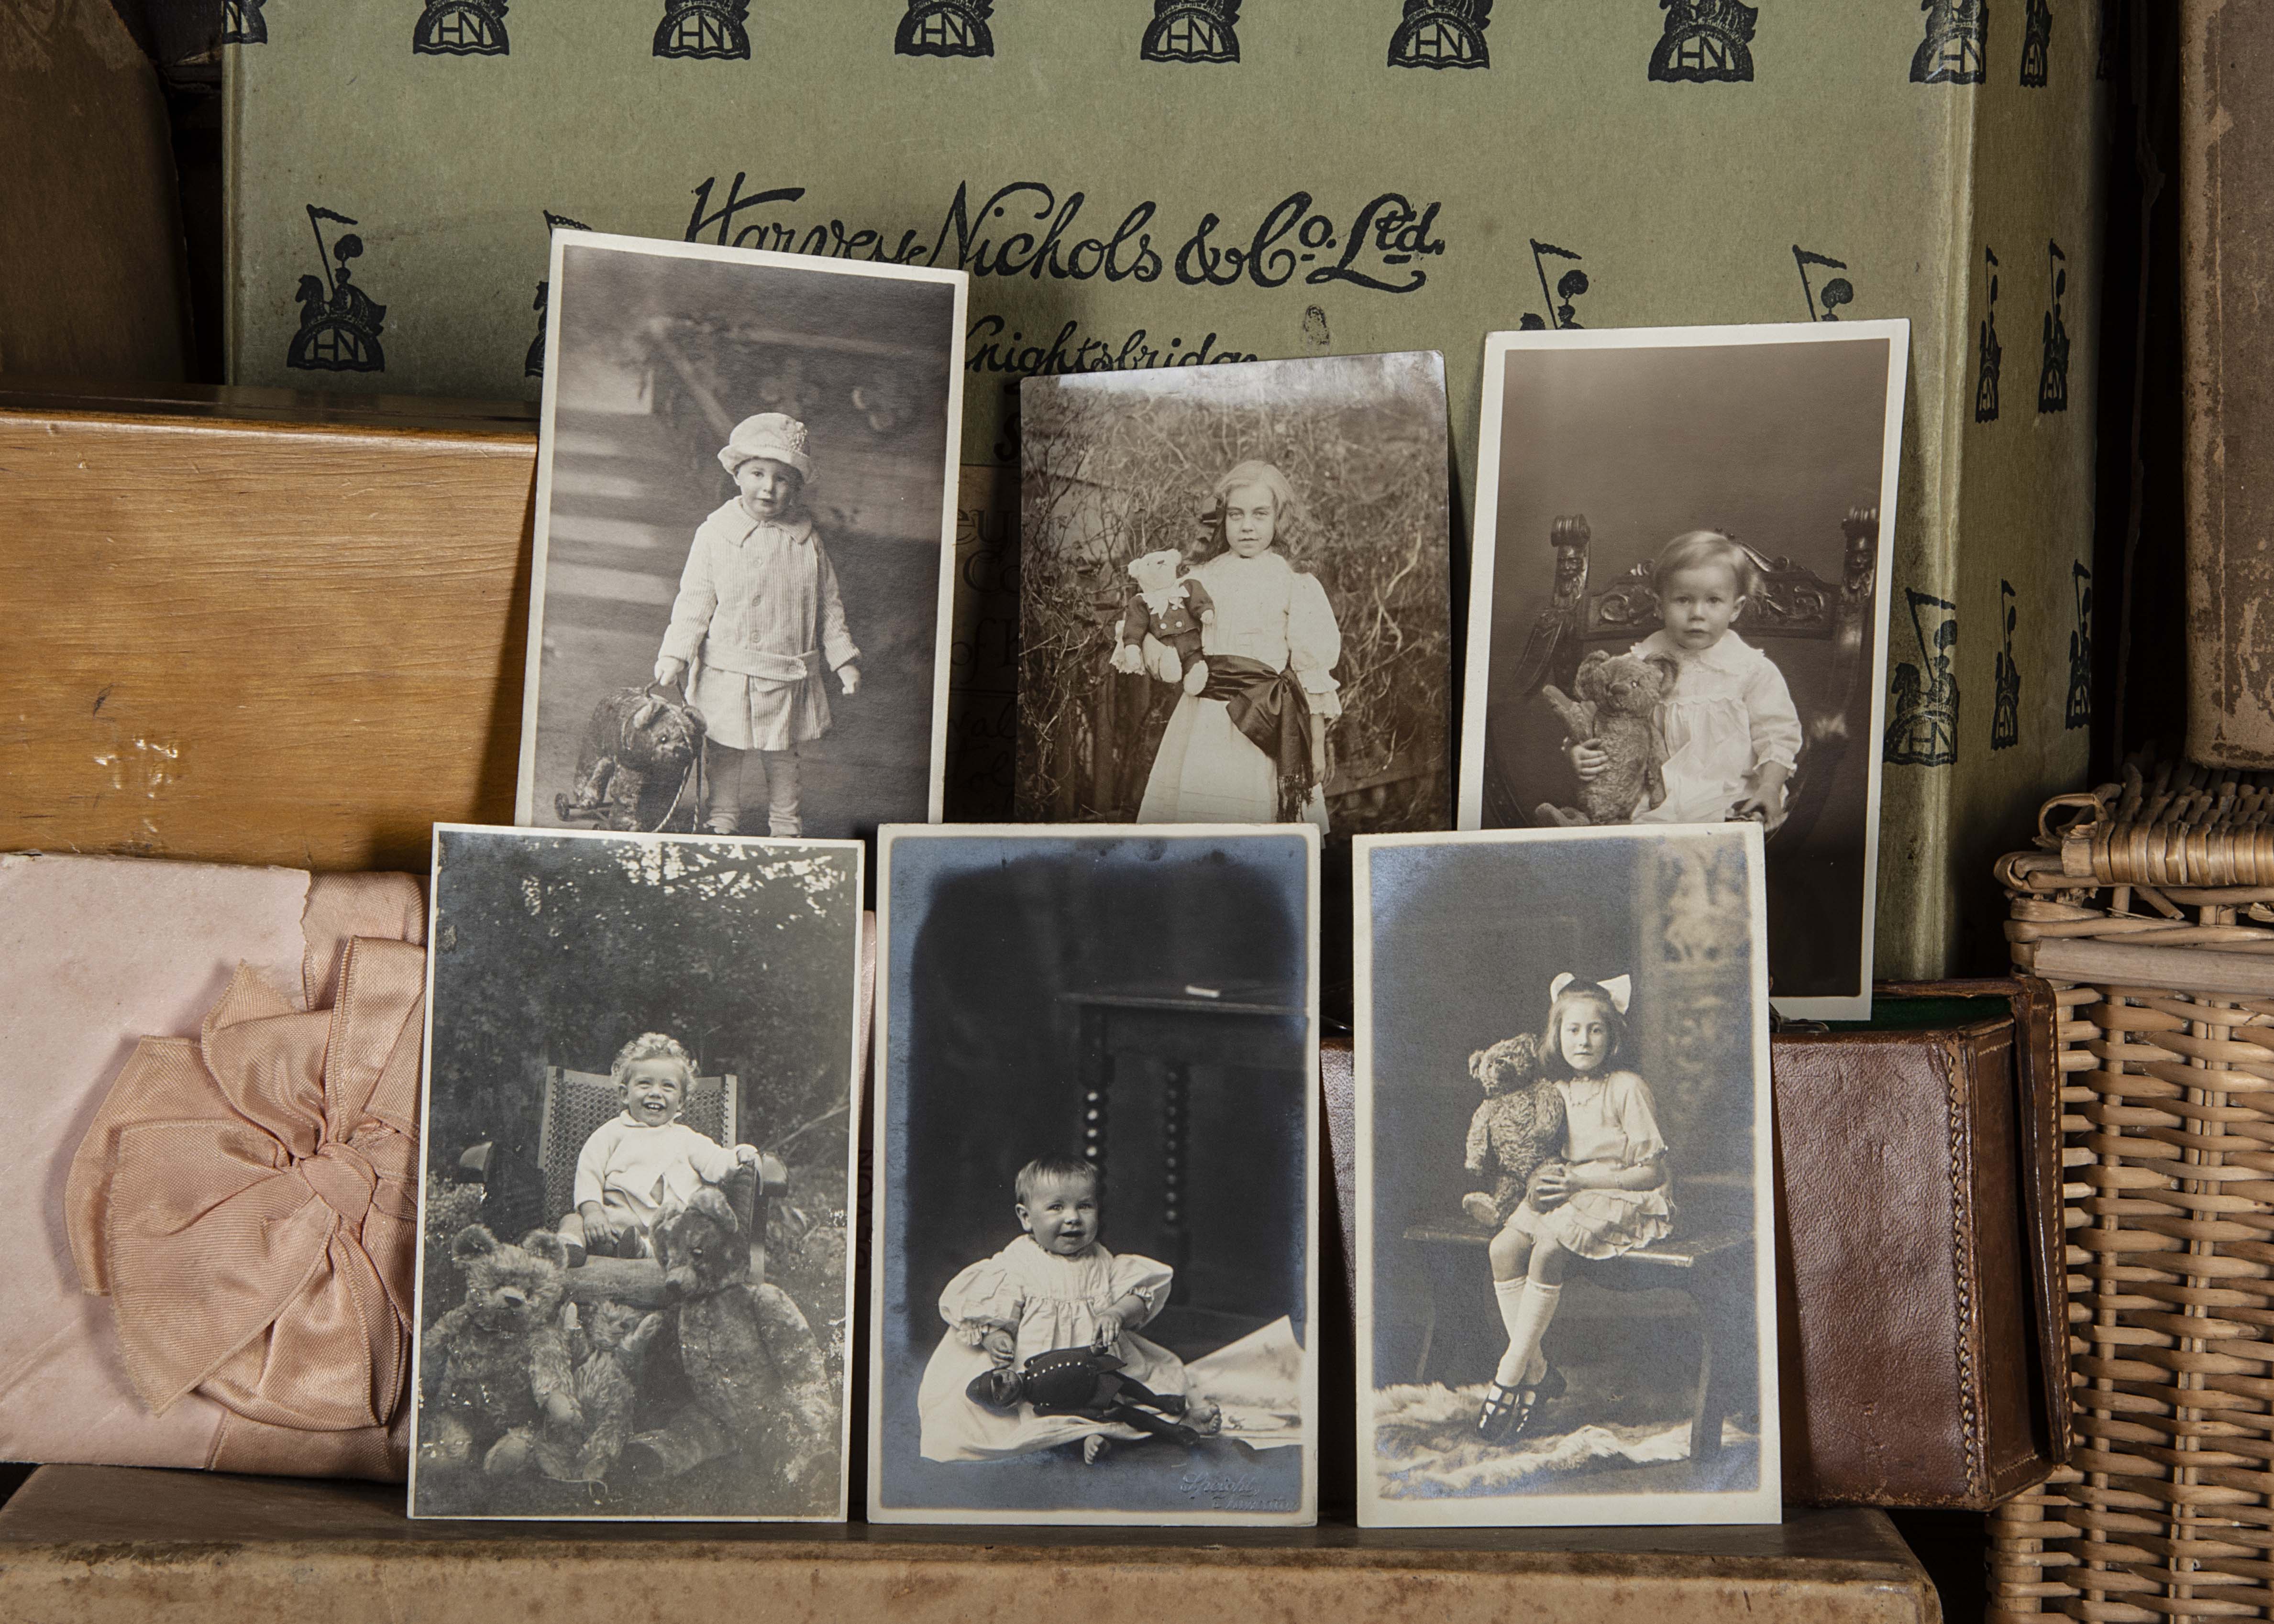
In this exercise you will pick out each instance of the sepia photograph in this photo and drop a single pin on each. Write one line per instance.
(637, 1200)
(1095, 1269)
(1235, 595)
(745, 532)
(1566, 1290)
(1679, 606)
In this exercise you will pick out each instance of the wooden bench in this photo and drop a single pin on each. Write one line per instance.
(1704, 1266)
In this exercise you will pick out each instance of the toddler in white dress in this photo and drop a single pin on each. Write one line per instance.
(1052, 1288)
(1732, 735)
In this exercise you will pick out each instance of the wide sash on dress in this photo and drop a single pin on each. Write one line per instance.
(1271, 711)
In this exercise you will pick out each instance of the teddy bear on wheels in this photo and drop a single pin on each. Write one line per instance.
(1164, 620)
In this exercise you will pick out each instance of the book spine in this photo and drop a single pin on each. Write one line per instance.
(233, 202)
(2227, 143)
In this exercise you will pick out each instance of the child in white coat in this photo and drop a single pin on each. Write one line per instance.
(759, 621)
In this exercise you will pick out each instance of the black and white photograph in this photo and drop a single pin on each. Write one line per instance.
(745, 532)
(1235, 595)
(1679, 606)
(637, 1199)
(1095, 1268)
(1566, 1285)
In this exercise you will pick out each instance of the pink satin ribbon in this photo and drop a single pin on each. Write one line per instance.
(248, 1203)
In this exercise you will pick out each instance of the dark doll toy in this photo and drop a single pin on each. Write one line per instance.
(1080, 1382)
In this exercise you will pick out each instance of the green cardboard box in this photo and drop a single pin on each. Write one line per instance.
(1199, 180)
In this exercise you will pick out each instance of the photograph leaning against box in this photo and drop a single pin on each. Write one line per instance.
(1565, 1288)
(1235, 595)
(744, 541)
(1679, 601)
(636, 1205)
(1095, 1274)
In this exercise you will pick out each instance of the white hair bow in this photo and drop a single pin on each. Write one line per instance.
(1620, 986)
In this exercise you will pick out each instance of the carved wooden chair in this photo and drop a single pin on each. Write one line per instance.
(576, 1103)
(1793, 602)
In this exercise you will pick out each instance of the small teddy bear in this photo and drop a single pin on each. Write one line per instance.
(1161, 624)
(1617, 712)
(495, 1368)
(609, 1350)
(1516, 1131)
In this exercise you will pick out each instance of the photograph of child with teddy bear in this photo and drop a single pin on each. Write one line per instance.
(1681, 590)
(1234, 594)
(1563, 1266)
(633, 1294)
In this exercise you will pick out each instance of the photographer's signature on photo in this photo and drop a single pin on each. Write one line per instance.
(1230, 1491)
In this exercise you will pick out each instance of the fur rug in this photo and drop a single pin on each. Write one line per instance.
(1425, 1446)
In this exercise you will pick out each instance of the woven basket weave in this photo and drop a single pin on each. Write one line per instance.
(2151, 907)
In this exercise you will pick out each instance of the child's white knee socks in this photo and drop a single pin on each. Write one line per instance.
(1525, 1308)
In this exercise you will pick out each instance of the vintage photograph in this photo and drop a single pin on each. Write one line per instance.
(637, 1203)
(1566, 1287)
(1679, 606)
(1095, 1274)
(745, 541)
(1235, 595)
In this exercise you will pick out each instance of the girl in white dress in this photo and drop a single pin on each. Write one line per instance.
(1251, 746)
(1054, 1287)
(1606, 1195)
(1732, 735)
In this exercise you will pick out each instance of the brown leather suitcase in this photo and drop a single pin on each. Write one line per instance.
(1922, 1300)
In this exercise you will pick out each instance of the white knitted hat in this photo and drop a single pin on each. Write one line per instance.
(771, 434)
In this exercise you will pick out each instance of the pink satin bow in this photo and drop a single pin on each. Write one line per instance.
(248, 1202)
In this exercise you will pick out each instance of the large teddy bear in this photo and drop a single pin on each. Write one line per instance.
(761, 1386)
(1161, 624)
(1617, 712)
(496, 1372)
(1517, 1130)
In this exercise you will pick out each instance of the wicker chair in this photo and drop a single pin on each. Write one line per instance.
(577, 1103)
(2150, 905)
(1794, 602)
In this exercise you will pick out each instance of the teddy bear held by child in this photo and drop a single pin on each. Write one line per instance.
(1617, 711)
(1162, 623)
(1516, 1131)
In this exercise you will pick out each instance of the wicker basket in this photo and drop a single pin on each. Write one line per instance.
(2151, 907)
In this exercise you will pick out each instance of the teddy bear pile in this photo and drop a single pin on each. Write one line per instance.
(623, 1402)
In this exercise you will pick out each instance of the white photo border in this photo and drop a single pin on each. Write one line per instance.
(1477, 668)
(1307, 1513)
(525, 798)
(1762, 1504)
(859, 850)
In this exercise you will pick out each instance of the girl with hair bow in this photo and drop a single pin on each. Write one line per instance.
(1607, 1195)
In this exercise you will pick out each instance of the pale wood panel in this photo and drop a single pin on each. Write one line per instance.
(245, 642)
